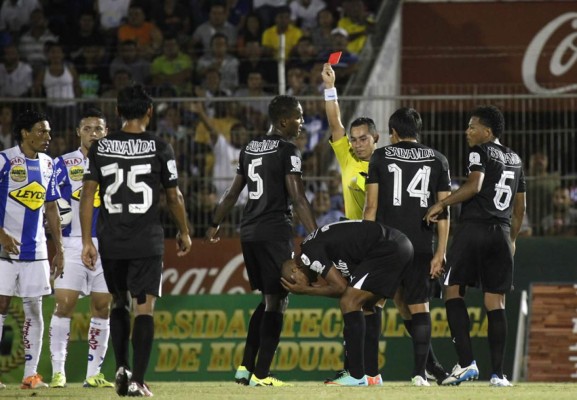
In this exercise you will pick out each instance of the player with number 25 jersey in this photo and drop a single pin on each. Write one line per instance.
(129, 169)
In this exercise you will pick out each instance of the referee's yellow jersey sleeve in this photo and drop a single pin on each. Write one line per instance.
(352, 180)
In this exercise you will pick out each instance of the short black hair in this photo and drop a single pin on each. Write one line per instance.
(365, 121)
(26, 120)
(406, 122)
(282, 106)
(92, 112)
(133, 102)
(491, 117)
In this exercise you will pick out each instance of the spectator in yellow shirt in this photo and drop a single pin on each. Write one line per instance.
(283, 25)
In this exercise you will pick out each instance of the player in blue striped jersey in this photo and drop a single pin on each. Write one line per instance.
(27, 189)
(78, 279)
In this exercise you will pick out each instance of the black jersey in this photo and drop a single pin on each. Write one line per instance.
(504, 178)
(130, 168)
(345, 244)
(409, 176)
(264, 163)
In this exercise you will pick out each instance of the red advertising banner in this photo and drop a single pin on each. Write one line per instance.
(206, 269)
(530, 47)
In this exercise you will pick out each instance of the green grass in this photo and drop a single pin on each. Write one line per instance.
(313, 390)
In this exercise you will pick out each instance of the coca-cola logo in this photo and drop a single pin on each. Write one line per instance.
(562, 60)
(228, 279)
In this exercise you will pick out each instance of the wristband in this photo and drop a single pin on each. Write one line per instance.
(331, 94)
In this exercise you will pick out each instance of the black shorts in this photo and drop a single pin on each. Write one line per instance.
(481, 256)
(263, 261)
(418, 287)
(382, 269)
(139, 276)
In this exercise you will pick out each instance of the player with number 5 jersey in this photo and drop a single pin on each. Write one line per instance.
(270, 166)
(481, 254)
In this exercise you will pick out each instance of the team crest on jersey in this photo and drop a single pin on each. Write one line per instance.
(474, 159)
(76, 173)
(17, 161)
(317, 267)
(76, 196)
(296, 163)
(31, 196)
(18, 173)
(171, 165)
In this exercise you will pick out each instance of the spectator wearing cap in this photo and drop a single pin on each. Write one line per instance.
(283, 25)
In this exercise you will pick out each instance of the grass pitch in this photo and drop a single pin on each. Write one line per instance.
(313, 390)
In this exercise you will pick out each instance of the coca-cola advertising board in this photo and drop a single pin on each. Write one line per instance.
(206, 269)
(530, 47)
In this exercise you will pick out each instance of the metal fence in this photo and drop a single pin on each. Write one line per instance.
(541, 129)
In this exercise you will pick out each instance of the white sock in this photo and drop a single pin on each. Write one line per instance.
(32, 333)
(59, 336)
(98, 334)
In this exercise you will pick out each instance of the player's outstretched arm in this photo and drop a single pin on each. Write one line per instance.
(332, 105)
(470, 188)
(53, 220)
(175, 203)
(89, 252)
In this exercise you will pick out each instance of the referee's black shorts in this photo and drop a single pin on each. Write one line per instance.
(263, 261)
(481, 256)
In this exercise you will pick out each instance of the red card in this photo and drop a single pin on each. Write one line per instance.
(335, 57)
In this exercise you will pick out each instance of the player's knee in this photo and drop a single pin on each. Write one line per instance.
(32, 307)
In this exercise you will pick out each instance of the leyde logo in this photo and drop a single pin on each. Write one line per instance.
(30, 196)
(18, 173)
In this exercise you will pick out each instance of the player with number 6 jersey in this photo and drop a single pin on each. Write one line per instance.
(481, 254)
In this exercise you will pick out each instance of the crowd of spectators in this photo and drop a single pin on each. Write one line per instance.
(67, 54)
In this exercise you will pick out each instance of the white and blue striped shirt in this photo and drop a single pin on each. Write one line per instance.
(25, 184)
(69, 171)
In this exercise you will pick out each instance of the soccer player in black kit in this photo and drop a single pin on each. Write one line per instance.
(405, 179)
(128, 168)
(270, 165)
(362, 262)
(481, 254)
